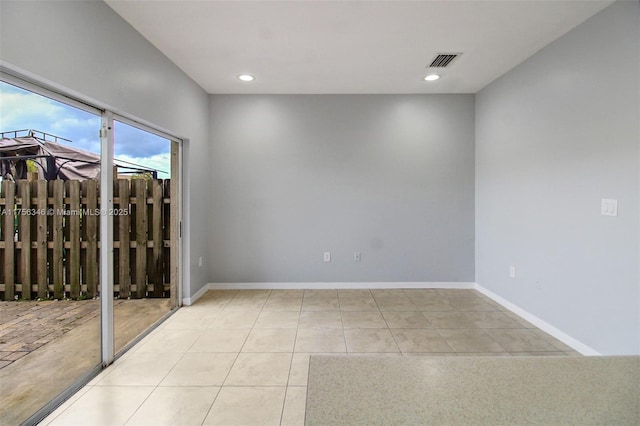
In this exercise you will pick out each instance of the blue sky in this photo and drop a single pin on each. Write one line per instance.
(21, 109)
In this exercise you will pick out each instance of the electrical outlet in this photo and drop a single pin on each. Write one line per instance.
(200, 262)
(357, 256)
(609, 207)
(327, 256)
(512, 271)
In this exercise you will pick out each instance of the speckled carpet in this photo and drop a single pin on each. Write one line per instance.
(473, 390)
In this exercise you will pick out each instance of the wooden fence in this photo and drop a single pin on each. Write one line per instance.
(49, 238)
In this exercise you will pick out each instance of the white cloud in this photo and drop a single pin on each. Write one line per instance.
(17, 109)
(20, 109)
(71, 125)
(23, 110)
(160, 162)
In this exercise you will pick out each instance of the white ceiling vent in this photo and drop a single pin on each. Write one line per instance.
(443, 60)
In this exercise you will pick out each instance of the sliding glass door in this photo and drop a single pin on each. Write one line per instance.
(89, 242)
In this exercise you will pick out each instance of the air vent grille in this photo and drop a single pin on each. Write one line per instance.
(443, 60)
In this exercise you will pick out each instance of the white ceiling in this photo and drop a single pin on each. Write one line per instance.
(350, 46)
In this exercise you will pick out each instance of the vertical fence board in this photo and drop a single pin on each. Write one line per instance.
(133, 219)
(24, 232)
(8, 192)
(140, 186)
(174, 223)
(74, 238)
(158, 282)
(2, 232)
(40, 187)
(66, 231)
(167, 220)
(57, 262)
(117, 288)
(83, 250)
(149, 265)
(33, 225)
(90, 235)
(124, 229)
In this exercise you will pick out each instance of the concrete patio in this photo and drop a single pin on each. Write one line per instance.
(48, 345)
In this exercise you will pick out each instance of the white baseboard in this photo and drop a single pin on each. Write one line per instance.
(340, 285)
(541, 324)
(188, 301)
(322, 285)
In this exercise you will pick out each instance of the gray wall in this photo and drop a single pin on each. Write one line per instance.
(554, 136)
(85, 48)
(388, 176)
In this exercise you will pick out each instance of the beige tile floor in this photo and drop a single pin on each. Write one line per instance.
(242, 357)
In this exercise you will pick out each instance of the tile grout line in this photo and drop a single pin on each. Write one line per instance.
(494, 340)
(211, 406)
(228, 372)
(445, 340)
(245, 342)
(293, 351)
(389, 328)
(155, 387)
(52, 421)
(344, 335)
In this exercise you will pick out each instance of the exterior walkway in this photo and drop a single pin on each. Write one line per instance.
(27, 325)
(49, 345)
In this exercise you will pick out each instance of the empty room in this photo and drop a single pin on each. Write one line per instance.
(348, 212)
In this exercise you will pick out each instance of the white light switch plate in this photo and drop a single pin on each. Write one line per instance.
(609, 207)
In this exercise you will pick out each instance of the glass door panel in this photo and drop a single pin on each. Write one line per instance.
(141, 231)
(49, 255)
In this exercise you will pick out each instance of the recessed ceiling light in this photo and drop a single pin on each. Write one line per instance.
(432, 77)
(246, 77)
